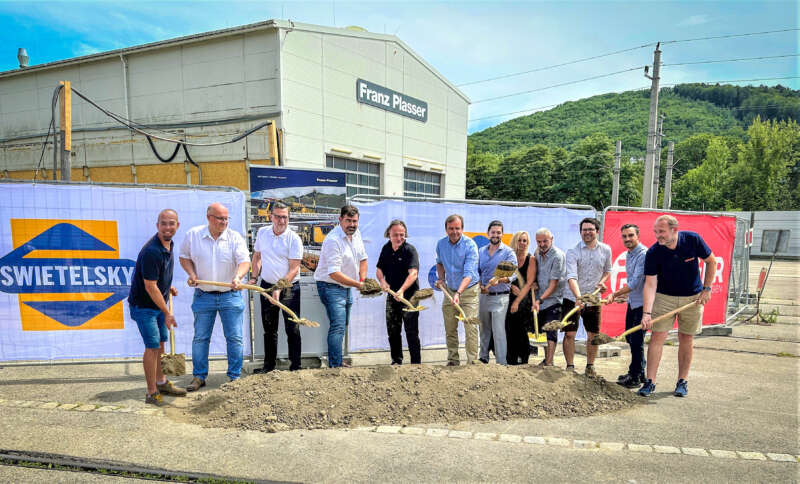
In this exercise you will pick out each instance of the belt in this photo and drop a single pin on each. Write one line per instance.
(212, 292)
(499, 293)
(295, 283)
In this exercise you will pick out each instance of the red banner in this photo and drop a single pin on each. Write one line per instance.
(719, 232)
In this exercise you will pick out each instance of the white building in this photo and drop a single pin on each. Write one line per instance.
(341, 98)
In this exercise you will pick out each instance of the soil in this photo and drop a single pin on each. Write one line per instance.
(402, 395)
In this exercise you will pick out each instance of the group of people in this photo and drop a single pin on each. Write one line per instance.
(548, 282)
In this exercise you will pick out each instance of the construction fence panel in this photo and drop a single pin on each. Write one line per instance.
(425, 220)
(68, 256)
(719, 231)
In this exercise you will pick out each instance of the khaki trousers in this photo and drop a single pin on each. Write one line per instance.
(470, 304)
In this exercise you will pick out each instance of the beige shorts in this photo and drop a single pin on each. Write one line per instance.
(689, 320)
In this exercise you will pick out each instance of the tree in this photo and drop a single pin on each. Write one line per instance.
(703, 187)
(760, 179)
(587, 175)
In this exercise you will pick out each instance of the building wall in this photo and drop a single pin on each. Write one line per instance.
(777, 220)
(321, 114)
(179, 87)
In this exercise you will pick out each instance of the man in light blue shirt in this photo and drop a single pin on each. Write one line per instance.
(634, 270)
(494, 293)
(457, 267)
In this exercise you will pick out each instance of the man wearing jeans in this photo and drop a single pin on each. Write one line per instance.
(457, 267)
(634, 270)
(276, 255)
(150, 290)
(342, 265)
(494, 293)
(214, 252)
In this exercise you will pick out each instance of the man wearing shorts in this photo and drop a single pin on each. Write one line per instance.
(551, 274)
(672, 279)
(150, 290)
(588, 266)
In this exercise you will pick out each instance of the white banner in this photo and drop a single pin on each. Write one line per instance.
(67, 254)
(425, 222)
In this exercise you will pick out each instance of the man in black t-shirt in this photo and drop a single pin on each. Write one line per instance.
(672, 280)
(150, 290)
(398, 267)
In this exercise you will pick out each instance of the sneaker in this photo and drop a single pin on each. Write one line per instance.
(453, 363)
(623, 377)
(168, 388)
(258, 371)
(485, 361)
(570, 367)
(197, 383)
(629, 381)
(590, 372)
(647, 388)
(681, 389)
(155, 399)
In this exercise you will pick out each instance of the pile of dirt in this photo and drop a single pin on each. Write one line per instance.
(403, 395)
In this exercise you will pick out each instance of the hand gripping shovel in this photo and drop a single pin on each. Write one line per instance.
(602, 338)
(462, 315)
(173, 364)
(585, 300)
(292, 316)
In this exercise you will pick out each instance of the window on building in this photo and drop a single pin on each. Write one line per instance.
(362, 176)
(418, 183)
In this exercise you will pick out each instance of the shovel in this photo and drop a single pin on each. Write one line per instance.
(585, 300)
(411, 308)
(173, 364)
(461, 316)
(292, 316)
(602, 338)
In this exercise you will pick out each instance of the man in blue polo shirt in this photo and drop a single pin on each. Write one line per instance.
(150, 290)
(494, 293)
(457, 266)
(672, 279)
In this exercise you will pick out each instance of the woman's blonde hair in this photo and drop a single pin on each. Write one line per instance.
(516, 236)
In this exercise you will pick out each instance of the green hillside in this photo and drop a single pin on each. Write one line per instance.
(731, 134)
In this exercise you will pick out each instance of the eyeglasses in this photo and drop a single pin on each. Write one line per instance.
(221, 219)
(281, 217)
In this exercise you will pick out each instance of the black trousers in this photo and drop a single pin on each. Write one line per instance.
(395, 319)
(270, 318)
(517, 326)
(636, 340)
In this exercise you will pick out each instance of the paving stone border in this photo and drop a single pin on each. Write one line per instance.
(577, 444)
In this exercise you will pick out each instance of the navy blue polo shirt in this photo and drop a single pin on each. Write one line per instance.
(155, 263)
(677, 270)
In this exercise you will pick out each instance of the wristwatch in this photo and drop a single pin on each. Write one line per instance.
(539, 301)
(707, 288)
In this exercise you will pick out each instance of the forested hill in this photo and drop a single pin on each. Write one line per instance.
(688, 109)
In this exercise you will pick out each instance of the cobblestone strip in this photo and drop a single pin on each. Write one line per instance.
(84, 407)
(580, 444)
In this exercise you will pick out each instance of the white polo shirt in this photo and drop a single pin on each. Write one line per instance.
(340, 254)
(276, 251)
(214, 260)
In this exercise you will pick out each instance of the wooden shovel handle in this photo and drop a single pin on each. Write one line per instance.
(536, 324)
(447, 293)
(660, 318)
(401, 299)
(252, 287)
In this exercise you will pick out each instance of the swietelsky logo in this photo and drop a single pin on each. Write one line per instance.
(67, 274)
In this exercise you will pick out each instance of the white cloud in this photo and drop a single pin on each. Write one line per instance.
(693, 20)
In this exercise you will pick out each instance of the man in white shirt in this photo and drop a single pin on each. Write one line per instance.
(342, 265)
(588, 266)
(214, 252)
(276, 255)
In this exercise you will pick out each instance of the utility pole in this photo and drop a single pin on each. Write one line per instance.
(649, 162)
(65, 129)
(615, 189)
(668, 178)
(657, 161)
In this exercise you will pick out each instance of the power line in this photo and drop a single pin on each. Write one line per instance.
(728, 36)
(515, 112)
(732, 60)
(538, 69)
(557, 85)
(734, 80)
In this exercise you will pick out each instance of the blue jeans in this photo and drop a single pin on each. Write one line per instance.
(337, 301)
(151, 325)
(205, 306)
(636, 340)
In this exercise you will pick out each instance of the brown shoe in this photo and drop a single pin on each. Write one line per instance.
(197, 383)
(453, 363)
(155, 399)
(168, 388)
(590, 372)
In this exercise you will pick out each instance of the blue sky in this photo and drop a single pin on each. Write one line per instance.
(465, 41)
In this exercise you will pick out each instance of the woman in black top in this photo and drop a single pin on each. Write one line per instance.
(519, 319)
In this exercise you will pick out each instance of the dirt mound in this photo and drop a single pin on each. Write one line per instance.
(403, 395)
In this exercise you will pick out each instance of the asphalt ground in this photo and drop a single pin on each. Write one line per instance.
(739, 423)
